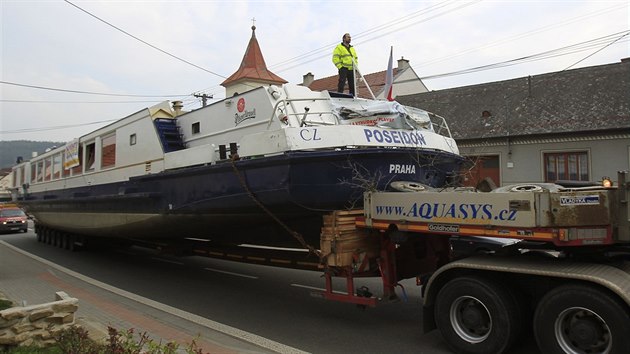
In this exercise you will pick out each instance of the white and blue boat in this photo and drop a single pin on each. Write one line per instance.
(283, 150)
(274, 154)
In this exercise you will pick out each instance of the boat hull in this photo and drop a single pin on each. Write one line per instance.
(246, 201)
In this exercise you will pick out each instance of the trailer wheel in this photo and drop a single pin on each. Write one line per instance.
(65, 242)
(581, 319)
(71, 246)
(48, 236)
(476, 315)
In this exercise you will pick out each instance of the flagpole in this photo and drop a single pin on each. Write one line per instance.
(388, 90)
(354, 76)
(356, 71)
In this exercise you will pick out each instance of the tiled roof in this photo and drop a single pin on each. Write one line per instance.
(580, 100)
(253, 66)
(376, 81)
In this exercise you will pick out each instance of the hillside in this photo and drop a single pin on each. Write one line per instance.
(10, 150)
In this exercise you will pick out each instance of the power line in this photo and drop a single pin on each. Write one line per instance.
(365, 33)
(597, 51)
(575, 48)
(313, 52)
(71, 102)
(361, 34)
(85, 92)
(571, 49)
(145, 42)
(517, 36)
(151, 45)
(57, 127)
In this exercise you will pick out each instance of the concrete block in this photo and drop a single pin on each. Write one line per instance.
(61, 318)
(24, 327)
(65, 307)
(61, 295)
(8, 323)
(39, 314)
(13, 313)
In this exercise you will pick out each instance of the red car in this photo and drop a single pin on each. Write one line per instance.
(12, 219)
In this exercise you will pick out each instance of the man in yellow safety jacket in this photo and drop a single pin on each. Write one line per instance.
(345, 57)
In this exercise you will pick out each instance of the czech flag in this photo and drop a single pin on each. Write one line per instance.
(389, 77)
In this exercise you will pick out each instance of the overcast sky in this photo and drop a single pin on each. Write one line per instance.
(54, 44)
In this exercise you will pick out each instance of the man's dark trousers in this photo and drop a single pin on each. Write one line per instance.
(346, 74)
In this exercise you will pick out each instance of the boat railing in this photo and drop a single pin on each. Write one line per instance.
(283, 113)
(439, 125)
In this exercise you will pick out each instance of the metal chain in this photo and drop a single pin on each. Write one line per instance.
(293, 233)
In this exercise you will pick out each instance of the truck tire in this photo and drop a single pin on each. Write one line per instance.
(581, 319)
(476, 315)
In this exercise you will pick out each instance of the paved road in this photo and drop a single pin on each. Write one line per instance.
(271, 302)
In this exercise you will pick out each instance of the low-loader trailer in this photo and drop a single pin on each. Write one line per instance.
(567, 279)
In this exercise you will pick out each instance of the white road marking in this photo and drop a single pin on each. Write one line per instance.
(166, 261)
(214, 325)
(231, 273)
(314, 288)
(247, 245)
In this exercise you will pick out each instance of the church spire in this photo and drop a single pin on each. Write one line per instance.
(253, 71)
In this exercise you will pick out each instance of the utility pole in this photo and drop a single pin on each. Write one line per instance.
(204, 98)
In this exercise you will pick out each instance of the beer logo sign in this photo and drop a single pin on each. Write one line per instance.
(242, 114)
(240, 106)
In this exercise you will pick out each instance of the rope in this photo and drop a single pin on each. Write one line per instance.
(293, 233)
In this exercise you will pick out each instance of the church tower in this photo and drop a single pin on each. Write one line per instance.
(252, 73)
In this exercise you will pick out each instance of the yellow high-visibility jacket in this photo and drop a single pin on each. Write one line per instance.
(342, 56)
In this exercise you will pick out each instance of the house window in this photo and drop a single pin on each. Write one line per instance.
(133, 139)
(571, 166)
(108, 151)
(195, 128)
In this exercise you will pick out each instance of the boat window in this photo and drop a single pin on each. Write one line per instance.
(195, 128)
(22, 177)
(108, 151)
(65, 172)
(90, 152)
(48, 169)
(33, 172)
(57, 166)
(133, 139)
(76, 170)
(40, 171)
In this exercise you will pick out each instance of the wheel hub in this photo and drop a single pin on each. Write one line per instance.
(474, 317)
(579, 330)
(470, 319)
(585, 332)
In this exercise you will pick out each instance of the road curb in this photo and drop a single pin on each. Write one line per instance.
(202, 321)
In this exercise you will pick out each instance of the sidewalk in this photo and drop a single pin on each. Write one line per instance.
(28, 279)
